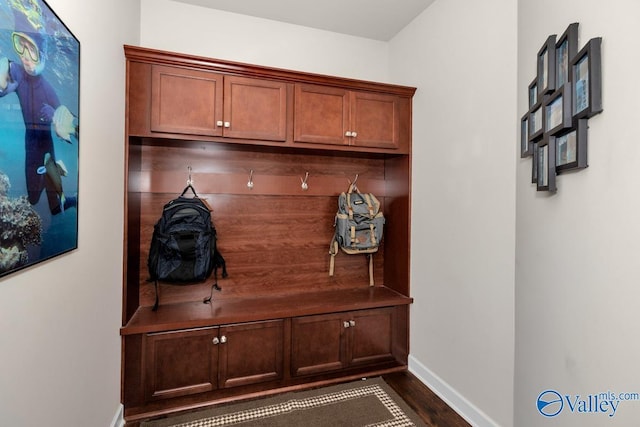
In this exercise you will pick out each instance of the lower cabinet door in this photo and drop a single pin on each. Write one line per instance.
(370, 336)
(251, 353)
(180, 363)
(317, 344)
(331, 342)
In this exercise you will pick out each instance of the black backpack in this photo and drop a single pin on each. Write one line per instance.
(183, 246)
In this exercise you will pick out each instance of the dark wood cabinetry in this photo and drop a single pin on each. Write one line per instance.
(330, 342)
(184, 362)
(185, 101)
(193, 102)
(180, 363)
(336, 116)
(281, 322)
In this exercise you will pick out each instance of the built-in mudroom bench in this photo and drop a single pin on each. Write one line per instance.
(269, 150)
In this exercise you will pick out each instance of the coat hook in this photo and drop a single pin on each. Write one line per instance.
(189, 180)
(305, 186)
(250, 183)
(353, 184)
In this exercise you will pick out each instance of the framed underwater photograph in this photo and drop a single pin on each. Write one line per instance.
(39, 130)
(586, 77)
(566, 49)
(571, 148)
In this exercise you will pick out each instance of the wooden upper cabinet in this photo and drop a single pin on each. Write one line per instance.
(328, 115)
(185, 101)
(375, 120)
(321, 114)
(255, 108)
(178, 96)
(192, 102)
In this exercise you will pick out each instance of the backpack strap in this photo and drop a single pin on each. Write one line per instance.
(367, 199)
(218, 261)
(155, 306)
(371, 283)
(333, 250)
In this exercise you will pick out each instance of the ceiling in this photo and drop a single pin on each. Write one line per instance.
(373, 19)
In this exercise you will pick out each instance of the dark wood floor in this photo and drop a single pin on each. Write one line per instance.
(433, 411)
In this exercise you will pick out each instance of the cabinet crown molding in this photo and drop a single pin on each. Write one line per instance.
(155, 56)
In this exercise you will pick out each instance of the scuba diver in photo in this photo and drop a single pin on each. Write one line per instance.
(42, 112)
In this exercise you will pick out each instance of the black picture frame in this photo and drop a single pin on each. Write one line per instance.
(545, 165)
(40, 57)
(525, 144)
(547, 66)
(557, 111)
(571, 148)
(533, 92)
(534, 163)
(566, 49)
(536, 122)
(586, 80)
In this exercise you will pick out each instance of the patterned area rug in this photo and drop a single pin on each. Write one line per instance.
(368, 402)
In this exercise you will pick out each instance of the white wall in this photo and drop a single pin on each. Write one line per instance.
(578, 251)
(196, 30)
(463, 218)
(59, 321)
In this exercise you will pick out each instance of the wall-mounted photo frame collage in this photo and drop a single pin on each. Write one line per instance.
(565, 93)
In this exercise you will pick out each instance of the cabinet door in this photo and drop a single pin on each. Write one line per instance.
(186, 101)
(317, 344)
(180, 363)
(321, 114)
(255, 108)
(376, 120)
(371, 336)
(251, 353)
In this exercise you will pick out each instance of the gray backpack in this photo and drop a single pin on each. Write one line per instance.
(358, 227)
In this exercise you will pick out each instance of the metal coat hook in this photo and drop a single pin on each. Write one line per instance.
(189, 180)
(250, 183)
(353, 184)
(305, 186)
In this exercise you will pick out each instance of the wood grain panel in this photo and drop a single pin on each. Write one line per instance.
(217, 168)
(275, 238)
(272, 245)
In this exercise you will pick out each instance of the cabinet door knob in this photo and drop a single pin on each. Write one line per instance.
(348, 133)
(354, 134)
(352, 323)
(227, 124)
(219, 123)
(346, 324)
(216, 341)
(223, 339)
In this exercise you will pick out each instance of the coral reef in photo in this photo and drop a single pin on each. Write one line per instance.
(20, 225)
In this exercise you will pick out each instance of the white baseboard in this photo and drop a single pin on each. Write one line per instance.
(450, 396)
(118, 418)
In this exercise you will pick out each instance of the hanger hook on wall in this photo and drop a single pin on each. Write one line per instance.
(305, 185)
(250, 183)
(353, 184)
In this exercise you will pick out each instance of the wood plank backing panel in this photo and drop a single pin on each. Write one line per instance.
(221, 168)
(272, 245)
